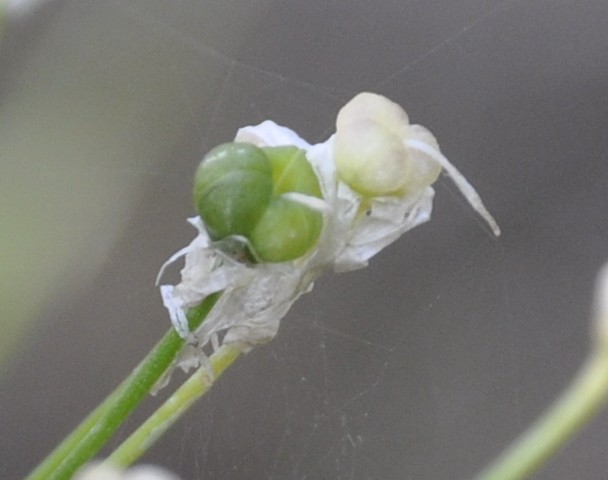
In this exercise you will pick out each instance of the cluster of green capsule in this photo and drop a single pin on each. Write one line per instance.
(239, 190)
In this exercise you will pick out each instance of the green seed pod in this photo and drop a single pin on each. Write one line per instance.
(238, 191)
(286, 231)
(232, 188)
(291, 171)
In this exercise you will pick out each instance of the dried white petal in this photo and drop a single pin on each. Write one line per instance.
(461, 182)
(269, 134)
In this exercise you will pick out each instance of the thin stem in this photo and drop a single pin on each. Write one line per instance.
(92, 434)
(174, 407)
(586, 394)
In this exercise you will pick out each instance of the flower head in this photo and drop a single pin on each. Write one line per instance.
(375, 177)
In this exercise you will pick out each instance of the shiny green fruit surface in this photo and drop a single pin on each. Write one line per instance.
(239, 190)
(232, 188)
(291, 171)
(286, 231)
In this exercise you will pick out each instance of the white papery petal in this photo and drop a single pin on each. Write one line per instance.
(269, 134)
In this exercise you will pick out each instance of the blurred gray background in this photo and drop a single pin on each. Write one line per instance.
(423, 366)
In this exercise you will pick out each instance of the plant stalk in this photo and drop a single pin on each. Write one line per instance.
(93, 433)
(174, 407)
(573, 409)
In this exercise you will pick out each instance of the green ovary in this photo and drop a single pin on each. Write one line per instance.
(238, 191)
(291, 171)
(232, 188)
(286, 231)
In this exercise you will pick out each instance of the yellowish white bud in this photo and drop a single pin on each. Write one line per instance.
(374, 108)
(378, 153)
(370, 159)
(370, 151)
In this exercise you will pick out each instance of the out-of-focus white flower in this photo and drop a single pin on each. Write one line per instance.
(100, 471)
(20, 10)
(601, 307)
(375, 174)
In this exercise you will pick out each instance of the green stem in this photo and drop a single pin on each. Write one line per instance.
(92, 434)
(586, 394)
(169, 412)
